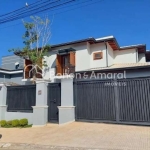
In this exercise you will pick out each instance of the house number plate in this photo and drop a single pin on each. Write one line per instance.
(39, 92)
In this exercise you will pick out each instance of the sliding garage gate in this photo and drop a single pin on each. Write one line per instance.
(119, 101)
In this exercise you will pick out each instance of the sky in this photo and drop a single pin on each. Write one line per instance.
(127, 20)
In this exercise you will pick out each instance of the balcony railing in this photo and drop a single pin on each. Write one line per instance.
(67, 69)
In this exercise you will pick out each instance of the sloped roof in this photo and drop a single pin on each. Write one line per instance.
(9, 70)
(124, 65)
(110, 39)
(9, 83)
(120, 66)
(2, 70)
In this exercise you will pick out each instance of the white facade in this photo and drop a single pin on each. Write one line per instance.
(84, 57)
(125, 56)
(141, 58)
(100, 47)
(111, 56)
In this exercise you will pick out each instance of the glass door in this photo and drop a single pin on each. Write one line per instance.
(65, 64)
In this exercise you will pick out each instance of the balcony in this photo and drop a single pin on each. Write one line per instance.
(67, 69)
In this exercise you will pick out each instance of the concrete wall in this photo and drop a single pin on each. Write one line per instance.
(40, 110)
(66, 114)
(67, 88)
(4, 115)
(100, 47)
(19, 115)
(4, 77)
(141, 58)
(67, 108)
(49, 71)
(125, 56)
(82, 57)
(15, 78)
(3, 107)
(110, 55)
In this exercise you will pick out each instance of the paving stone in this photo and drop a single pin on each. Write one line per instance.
(79, 136)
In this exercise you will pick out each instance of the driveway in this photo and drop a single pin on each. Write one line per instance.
(84, 135)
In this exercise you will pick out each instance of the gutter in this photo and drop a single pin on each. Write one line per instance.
(106, 54)
(136, 56)
(11, 72)
(115, 69)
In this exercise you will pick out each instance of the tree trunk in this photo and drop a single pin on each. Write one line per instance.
(34, 76)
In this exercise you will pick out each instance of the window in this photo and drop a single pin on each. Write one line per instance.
(65, 63)
(97, 55)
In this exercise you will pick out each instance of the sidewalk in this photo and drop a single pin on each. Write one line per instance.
(81, 136)
(45, 147)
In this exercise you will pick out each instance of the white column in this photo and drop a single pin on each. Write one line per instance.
(40, 111)
(67, 108)
(3, 95)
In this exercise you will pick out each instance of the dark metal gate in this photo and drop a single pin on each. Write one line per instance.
(54, 100)
(21, 98)
(134, 101)
(94, 101)
(119, 101)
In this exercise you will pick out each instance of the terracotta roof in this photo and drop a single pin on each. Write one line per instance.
(123, 65)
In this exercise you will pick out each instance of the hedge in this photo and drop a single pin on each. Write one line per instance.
(15, 123)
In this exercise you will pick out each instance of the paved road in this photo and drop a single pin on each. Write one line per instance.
(82, 135)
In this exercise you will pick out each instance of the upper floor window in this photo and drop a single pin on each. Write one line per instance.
(65, 63)
(97, 55)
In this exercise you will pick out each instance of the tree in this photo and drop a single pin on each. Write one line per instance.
(36, 40)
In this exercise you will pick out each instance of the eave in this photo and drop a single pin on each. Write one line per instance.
(140, 47)
(5, 71)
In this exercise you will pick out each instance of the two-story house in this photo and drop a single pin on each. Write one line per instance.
(90, 54)
(118, 100)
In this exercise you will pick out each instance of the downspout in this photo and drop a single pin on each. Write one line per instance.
(136, 56)
(106, 54)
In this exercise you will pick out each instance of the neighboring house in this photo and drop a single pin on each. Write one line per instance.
(11, 70)
(92, 54)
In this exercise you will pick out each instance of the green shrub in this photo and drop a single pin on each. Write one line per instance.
(23, 122)
(28, 126)
(3, 123)
(9, 122)
(15, 123)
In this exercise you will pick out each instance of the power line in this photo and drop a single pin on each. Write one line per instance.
(28, 13)
(21, 8)
(28, 10)
(62, 11)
